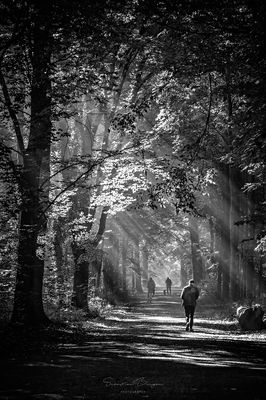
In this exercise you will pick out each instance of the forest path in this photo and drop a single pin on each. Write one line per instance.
(145, 353)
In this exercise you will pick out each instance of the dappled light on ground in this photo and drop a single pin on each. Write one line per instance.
(145, 352)
(161, 335)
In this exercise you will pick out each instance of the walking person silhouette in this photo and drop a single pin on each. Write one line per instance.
(189, 296)
(151, 289)
(168, 283)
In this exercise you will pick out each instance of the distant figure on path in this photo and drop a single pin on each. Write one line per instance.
(168, 283)
(189, 296)
(151, 288)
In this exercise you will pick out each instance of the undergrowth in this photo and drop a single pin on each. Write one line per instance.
(97, 308)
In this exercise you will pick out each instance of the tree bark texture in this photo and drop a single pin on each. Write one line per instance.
(138, 271)
(183, 272)
(28, 306)
(81, 277)
(195, 259)
(223, 222)
(59, 260)
(212, 234)
(124, 263)
(235, 207)
(145, 264)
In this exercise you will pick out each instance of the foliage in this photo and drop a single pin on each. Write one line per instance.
(148, 106)
(97, 307)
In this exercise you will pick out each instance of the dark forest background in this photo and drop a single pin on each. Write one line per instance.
(132, 141)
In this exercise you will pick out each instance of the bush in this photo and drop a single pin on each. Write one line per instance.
(97, 307)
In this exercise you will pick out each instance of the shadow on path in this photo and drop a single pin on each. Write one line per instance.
(145, 354)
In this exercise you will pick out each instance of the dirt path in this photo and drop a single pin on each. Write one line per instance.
(145, 353)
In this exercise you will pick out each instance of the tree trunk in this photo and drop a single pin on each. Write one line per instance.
(183, 274)
(245, 276)
(124, 263)
(133, 281)
(107, 276)
(99, 273)
(219, 281)
(212, 235)
(145, 265)
(138, 272)
(224, 216)
(241, 273)
(194, 238)
(81, 270)
(81, 278)
(260, 278)
(217, 258)
(224, 228)
(235, 184)
(28, 305)
(242, 237)
(59, 260)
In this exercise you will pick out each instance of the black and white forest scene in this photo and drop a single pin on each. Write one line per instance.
(132, 199)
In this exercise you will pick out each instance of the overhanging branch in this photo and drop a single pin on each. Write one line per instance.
(12, 113)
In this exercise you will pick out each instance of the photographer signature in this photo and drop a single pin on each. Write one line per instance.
(128, 381)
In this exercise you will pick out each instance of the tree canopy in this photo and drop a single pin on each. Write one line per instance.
(132, 144)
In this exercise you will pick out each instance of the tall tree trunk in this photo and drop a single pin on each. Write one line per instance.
(99, 272)
(223, 216)
(219, 281)
(81, 278)
(212, 234)
(108, 282)
(133, 281)
(217, 255)
(235, 194)
(183, 273)
(233, 204)
(194, 239)
(145, 264)
(84, 255)
(28, 305)
(250, 277)
(124, 263)
(138, 272)
(224, 226)
(241, 272)
(82, 198)
(249, 242)
(242, 238)
(59, 260)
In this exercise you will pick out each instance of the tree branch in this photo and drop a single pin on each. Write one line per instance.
(58, 172)
(12, 113)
